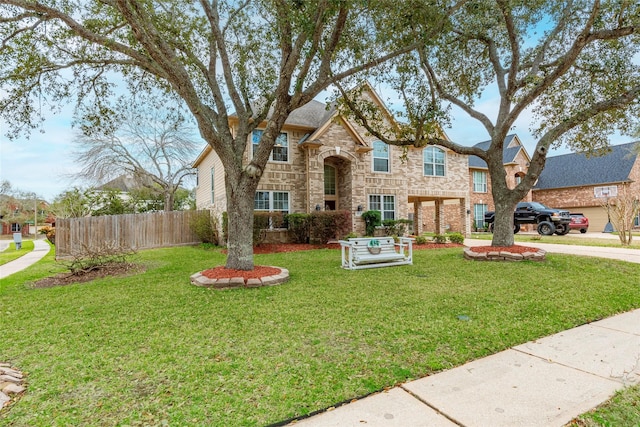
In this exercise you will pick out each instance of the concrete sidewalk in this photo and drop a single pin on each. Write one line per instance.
(546, 382)
(40, 249)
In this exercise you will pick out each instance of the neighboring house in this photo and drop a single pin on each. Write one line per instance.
(583, 184)
(324, 161)
(18, 216)
(516, 161)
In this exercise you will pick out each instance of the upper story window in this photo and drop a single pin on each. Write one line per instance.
(479, 182)
(380, 157)
(434, 161)
(280, 152)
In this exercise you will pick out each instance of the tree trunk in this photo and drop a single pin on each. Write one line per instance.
(503, 223)
(168, 201)
(240, 205)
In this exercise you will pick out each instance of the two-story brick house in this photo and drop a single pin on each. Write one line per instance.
(582, 184)
(516, 162)
(324, 160)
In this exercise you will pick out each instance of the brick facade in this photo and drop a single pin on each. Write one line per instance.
(348, 149)
(583, 198)
(514, 168)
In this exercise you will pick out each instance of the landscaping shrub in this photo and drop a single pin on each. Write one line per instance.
(104, 256)
(205, 226)
(456, 238)
(299, 227)
(263, 221)
(327, 225)
(421, 240)
(395, 227)
(372, 219)
(440, 238)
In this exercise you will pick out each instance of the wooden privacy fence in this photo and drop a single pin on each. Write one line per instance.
(135, 231)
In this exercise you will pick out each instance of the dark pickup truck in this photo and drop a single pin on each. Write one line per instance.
(549, 220)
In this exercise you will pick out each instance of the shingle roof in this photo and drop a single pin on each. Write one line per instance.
(508, 154)
(313, 114)
(576, 169)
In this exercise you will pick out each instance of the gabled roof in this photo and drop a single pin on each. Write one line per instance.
(509, 154)
(576, 169)
(310, 115)
(124, 183)
(313, 114)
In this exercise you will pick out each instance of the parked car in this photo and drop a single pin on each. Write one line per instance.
(548, 220)
(579, 222)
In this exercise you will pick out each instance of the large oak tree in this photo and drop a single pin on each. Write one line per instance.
(219, 57)
(573, 63)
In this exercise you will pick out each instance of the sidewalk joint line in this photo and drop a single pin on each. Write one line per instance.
(415, 396)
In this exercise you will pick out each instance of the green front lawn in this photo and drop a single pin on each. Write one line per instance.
(151, 348)
(568, 239)
(11, 253)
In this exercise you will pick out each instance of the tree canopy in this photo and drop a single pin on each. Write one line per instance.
(219, 57)
(573, 63)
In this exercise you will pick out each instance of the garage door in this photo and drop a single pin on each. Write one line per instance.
(597, 217)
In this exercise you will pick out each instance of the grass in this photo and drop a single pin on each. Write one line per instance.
(152, 349)
(567, 239)
(621, 410)
(11, 253)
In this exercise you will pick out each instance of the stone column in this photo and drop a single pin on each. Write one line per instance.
(465, 216)
(440, 217)
(417, 218)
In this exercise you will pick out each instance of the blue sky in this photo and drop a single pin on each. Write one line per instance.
(43, 162)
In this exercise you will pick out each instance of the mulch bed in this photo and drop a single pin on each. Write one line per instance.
(109, 270)
(270, 248)
(514, 249)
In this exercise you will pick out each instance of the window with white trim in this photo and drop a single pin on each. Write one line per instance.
(433, 161)
(383, 203)
(479, 210)
(479, 181)
(15, 227)
(380, 157)
(272, 201)
(280, 152)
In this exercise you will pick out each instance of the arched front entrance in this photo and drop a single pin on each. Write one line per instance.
(337, 184)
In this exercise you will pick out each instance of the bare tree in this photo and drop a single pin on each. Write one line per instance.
(146, 140)
(623, 209)
(217, 56)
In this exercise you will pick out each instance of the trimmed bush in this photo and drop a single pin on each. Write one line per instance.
(395, 227)
(299, 227)
(456, 238)
(205, 226)
(263, 221)
(372, 219)
(421, 240)
(440, 238)
(327, 225)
